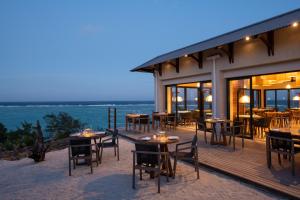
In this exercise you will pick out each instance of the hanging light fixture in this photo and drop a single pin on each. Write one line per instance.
(296, 98)
(244, 99)
(208, 98)
(196, 98)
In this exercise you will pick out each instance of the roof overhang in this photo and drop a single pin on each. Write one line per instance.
(256, 29)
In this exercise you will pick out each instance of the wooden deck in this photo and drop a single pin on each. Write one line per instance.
(248, 163)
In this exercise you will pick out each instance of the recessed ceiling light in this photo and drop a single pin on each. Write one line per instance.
(295, 24)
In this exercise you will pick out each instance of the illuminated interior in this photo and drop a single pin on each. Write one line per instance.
(194, 98)
(273, 98)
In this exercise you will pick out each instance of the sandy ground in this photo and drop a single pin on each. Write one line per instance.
(24, 179)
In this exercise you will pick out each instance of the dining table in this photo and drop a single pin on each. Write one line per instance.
(160, 115)
(132, 117)
(295, 132)
(93, 135)
(218, 126)
(163, 142)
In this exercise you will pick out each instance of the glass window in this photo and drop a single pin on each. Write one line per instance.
(295, 98)
(180, 99)
(192, 98)
(270, 99)
(282, 100)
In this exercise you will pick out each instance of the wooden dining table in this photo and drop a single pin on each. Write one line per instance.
(163, 142)
(134, 117)
(160, 115)
(295, 132)
(94, 135)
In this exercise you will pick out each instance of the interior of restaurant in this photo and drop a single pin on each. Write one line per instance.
(260, 102)
(265, 101)
(189, 101)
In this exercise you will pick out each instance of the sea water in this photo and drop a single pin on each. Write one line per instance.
(93, 114)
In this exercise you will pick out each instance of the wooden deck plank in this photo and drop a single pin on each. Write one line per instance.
(248, 163)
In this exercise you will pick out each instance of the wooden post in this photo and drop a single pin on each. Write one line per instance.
(108, 117)
(115, 118)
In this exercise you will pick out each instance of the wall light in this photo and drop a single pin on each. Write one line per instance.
(295, 24)
(288, 86)
(244, 99)
(208, 98)
(186, 55)
(247, 38)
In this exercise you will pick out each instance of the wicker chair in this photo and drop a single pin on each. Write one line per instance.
(282, 144)
(111, 142)
(148, 157)
(80, 149)
(182, 154)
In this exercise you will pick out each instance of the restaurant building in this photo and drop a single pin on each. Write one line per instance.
(249, 72)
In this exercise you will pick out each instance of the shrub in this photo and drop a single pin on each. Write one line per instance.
(62, 125)
(3, 131)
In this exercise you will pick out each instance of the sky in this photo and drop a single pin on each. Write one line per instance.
(83, 50)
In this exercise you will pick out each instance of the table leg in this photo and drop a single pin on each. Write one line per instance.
(153, 122)
(164, 148)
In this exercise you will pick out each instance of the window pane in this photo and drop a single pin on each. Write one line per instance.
(192, 98)
(270, 98)
(282, 100)
(294, 98)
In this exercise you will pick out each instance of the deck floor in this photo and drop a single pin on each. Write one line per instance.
(248, 163)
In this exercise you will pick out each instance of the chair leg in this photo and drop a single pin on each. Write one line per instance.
(74, 164)
(118, 153)
(279, 159)
(158, 181)
(91, 160)
(133, 172)
(167, 167)
(175, 164)
(233, 138)
(197, 165)
(141, 175)
(115, 151)
(293, 164)
(101, 152)
(70, 168)
(205, 138)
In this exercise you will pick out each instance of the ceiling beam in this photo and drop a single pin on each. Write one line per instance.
(198, 60)
(176, 64)
(228, 50)
(268, 42)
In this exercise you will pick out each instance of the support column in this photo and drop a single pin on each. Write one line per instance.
(218, 90)
(159, 94)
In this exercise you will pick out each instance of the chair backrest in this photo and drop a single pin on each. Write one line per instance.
(194, 143)
(144, 119)
(238, 126)
(80, 150)
(279, 140)
(147, 159)
(114, 133)
(171, 117)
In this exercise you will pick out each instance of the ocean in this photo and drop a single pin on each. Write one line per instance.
(94, 113)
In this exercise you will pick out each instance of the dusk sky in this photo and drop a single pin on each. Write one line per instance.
(83, 50)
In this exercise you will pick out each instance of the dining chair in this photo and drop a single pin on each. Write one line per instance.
(203, 126)
(170, 121)
(187, 151)
(233, 129)
(149, 158)
(282, 144)
(155, 120)
(144, 120)
(80, 149)
(112, 141)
